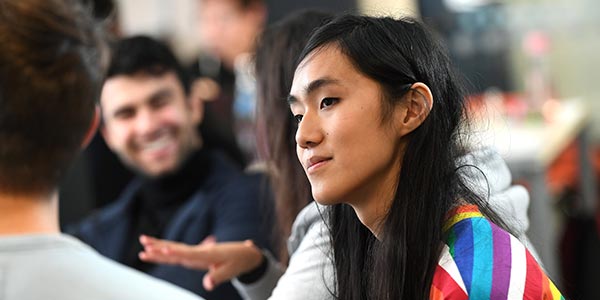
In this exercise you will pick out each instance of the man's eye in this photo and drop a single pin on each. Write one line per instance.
(124, 114)
(328, 102)
(298, 118)
(160, 102)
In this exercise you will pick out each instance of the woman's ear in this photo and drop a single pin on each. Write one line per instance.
(415, 108)
(92, 128)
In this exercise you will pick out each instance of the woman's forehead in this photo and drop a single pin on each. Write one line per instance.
(327, 62)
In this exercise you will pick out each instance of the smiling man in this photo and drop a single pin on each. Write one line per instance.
(150, 126)
(183, 191)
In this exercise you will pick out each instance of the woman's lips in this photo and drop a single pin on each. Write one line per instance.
(316, 162)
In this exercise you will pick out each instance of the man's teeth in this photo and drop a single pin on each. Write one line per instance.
(157, 144)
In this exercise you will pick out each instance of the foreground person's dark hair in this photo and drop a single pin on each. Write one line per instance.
(51, 67)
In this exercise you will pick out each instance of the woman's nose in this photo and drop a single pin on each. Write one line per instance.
(309, 133)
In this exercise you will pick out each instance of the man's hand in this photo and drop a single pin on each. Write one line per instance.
(223, 261)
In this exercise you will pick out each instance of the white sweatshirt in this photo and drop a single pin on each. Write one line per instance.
(309, 274)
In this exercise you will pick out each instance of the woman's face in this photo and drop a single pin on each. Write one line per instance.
(348, 153)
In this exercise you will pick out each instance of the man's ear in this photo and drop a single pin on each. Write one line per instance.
(92, 128)
(197, 109)
(205, 89)
(415, 108)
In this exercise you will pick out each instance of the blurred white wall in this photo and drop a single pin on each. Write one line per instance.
(389, 7)
(572, 60)
(173, 21)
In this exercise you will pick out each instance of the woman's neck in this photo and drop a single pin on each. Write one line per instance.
(372, 208)
(27, 214)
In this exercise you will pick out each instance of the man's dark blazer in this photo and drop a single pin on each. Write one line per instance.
(229, 205)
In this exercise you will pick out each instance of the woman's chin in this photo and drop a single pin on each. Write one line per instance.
(326, 200)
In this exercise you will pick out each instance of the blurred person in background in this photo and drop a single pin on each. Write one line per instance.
(52, 55)
(229, 29)
(183, 191)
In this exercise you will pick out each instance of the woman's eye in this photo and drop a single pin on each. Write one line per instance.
(298, 118)
(328, 102)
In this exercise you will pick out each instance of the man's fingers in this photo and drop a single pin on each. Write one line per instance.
(158, 255)
(194, 257)
(219, 273)
(208, 283)
(209, 240)
(147, 240)
(224, 259)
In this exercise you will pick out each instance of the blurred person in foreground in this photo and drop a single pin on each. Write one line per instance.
(183, 191)
(51, 56)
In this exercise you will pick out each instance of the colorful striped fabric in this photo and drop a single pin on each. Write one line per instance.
(482, 261)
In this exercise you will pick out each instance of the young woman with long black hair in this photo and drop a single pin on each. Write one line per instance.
(309, 269)
(380, 135)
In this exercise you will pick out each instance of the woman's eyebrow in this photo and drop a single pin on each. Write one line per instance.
(314, 86)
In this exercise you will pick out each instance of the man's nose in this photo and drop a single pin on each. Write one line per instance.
(146, 122)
